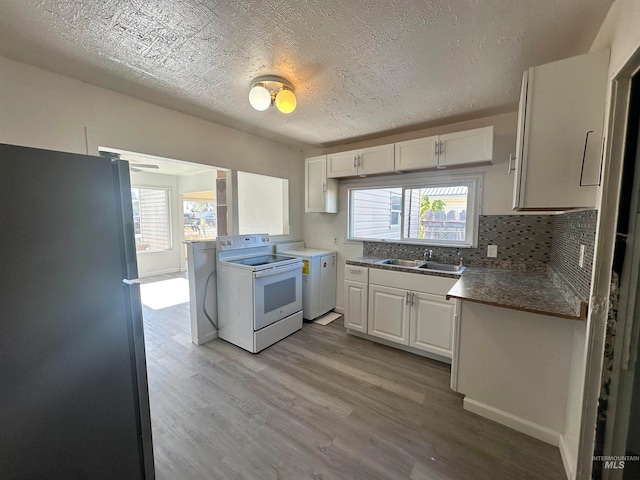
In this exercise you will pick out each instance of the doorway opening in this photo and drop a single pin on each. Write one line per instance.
(617, 448)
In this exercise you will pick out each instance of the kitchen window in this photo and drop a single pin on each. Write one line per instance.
(151, 219)
(431, 212)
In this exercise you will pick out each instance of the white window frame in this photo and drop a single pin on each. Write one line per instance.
(474, 182)
(168, 193)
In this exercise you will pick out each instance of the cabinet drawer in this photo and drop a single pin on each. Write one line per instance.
(356, 273)
(412, 281)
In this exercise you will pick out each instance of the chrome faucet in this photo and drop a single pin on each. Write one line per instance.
(460, 258)
(428, 255)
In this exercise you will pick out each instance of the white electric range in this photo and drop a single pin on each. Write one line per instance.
(259, 293)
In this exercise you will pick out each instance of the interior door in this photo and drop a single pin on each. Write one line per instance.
(70, 403)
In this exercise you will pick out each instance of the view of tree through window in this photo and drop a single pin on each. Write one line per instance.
(431, 214)
(151, 219)
(436, 213)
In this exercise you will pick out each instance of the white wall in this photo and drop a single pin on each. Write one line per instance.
(320, 229)
(156, 263)
(197, 182)
(620, 33)
(46, 110)
(261, 204)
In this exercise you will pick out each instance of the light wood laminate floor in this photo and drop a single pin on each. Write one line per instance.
(319, 404)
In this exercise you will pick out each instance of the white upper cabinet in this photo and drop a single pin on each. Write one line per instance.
(342, 164)
(321, 193)
(560, 134)
(416, 154)
(470, 146)
(442, 151)
(365, 161)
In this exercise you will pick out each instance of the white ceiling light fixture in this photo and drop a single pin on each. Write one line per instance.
(271, 90)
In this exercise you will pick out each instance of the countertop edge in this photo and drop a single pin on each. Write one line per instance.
(582, 317)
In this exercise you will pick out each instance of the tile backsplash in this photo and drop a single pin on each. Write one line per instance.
(570, 230)
(525, 243)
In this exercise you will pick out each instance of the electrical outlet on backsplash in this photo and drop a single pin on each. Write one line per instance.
(525, 243)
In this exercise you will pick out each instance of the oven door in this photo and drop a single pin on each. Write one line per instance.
(278, 294)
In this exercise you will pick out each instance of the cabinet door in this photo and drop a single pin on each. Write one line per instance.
(389, 313)
(375, 160)
(355, 311)
(341, 164)
(415, 154)
(321, 193)
(432, 323)
(563, 124)
(470, 146)
(520, 143)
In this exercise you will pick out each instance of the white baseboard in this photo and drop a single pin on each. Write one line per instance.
(568, 460)
(512, 421)
(205, 338)
(339, 310)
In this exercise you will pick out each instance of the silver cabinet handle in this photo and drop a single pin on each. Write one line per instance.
(406, 302)
(441, 149)
(355, 160)
(435, 149)
(355, 272)
(324, 187)
(412, 298)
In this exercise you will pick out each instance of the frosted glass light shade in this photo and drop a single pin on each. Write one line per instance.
(286, 101)
(259, 97)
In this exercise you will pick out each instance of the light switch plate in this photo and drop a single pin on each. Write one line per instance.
(492, 251)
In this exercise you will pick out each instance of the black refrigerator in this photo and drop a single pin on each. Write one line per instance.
(73, 382)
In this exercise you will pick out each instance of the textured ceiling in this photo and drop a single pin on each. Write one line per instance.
(359, 68)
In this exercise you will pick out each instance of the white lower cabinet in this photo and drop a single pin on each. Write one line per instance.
(356, 289)
(389, 313)
(433, 319)
(355, 312)
(408, 309)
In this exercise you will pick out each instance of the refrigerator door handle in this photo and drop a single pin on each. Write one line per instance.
(134, 302)
(131, 281)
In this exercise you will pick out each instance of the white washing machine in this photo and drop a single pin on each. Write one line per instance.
(318, 278)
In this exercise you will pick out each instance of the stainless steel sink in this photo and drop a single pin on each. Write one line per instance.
(442, 267)
(401, 263)
(435, 266)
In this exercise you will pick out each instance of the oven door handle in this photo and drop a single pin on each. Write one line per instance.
(277, 270)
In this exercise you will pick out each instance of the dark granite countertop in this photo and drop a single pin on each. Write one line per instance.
(533, 292)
